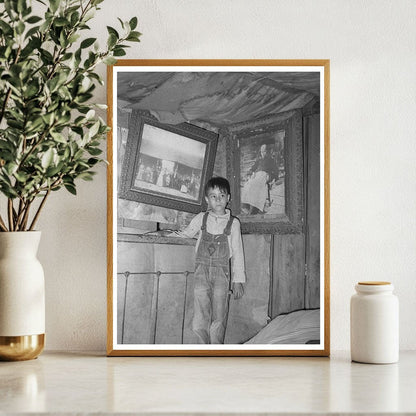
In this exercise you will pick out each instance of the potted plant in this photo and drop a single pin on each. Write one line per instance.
(50, 136)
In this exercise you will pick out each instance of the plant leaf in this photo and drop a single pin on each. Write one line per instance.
(70, 188)
(87, 42)
(61, 21)
(94, 129)
(133, 23)
(110, 60)
(47, 158)
(33, 19)
(112, 41)
(20, 28)
(60, 138)
(112, 31)
(119, 51)
(54, 4)
(21, 177)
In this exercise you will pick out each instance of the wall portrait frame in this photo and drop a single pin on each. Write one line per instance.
(284, 230)
(179, 194)
(282, 188)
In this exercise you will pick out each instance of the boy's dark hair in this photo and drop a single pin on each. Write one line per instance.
(217, 182)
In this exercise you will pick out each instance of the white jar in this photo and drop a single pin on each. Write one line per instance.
(374, 323)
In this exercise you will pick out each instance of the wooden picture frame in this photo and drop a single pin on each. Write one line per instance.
(156, 174)
(291, 246)
(278, 194)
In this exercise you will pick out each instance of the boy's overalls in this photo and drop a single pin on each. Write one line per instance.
(212, 280)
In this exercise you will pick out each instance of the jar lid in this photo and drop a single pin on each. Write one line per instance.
(373, 283)
(372, 287)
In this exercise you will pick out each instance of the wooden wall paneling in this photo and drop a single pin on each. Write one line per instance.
(170, 318)
(138, 322)
(133, 257)
(173, 258)
(154, 306)
(312, 290)
(170, 309)
(121, 306)
(288, 273)
(250, 313)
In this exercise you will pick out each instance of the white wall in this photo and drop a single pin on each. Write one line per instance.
(371, 45)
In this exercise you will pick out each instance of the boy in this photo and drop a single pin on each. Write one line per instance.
(219, 241)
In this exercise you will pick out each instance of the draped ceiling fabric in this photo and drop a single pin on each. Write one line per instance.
(219, 98)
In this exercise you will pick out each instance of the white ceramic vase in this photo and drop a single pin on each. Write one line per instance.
(22, 296)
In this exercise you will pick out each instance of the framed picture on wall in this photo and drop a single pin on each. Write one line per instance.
(267, 164)
(167, 165)
(261, 125)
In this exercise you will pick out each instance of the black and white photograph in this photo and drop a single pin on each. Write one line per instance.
(217, 229)
(262, 175)
(166, 165)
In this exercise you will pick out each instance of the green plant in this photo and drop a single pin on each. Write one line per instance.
(50, 134)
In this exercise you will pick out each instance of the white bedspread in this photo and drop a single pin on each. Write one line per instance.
(294, 328)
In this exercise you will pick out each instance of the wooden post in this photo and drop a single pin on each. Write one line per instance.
(154, 306)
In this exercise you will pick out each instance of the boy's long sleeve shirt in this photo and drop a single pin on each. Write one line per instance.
(216, 225)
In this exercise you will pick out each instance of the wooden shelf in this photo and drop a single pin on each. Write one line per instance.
(154, 239)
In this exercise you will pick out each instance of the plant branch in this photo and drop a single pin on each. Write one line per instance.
(2, 225)
(6, 99)
(14, 217)
(39, 209)
(26, 216)
(85, 9)
(18, 216)
(52, 186)
(10, 213)
(21, 214)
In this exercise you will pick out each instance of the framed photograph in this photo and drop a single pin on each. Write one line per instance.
(167, 165)
(267, 164)
(261, 125)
